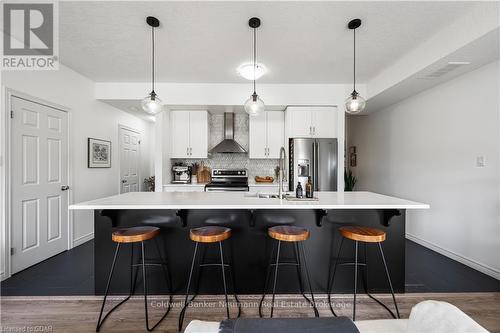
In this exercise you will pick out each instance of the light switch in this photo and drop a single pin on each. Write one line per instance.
(480, 162)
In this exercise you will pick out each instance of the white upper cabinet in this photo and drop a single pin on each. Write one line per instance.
(198, 134)
(311, 122)
(266, 134)
(324, 122)
(189, 134)
(275, 133)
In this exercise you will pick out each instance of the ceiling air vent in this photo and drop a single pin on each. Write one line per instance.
(449, 67)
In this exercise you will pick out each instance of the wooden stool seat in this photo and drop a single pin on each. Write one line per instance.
(288, 233)
(134, 234)
(363, 234)
(211, 234)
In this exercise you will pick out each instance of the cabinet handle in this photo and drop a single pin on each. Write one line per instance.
(314, 130)
(190, 151)
(310, 130)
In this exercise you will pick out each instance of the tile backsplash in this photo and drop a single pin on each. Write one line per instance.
(256, 167)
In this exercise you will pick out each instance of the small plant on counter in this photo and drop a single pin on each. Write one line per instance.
(150, 184)
(349, 181)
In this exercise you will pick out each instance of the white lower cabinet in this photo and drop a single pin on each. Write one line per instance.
(266, 134)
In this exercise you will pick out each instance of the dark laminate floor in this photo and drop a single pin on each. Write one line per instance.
(72, 273)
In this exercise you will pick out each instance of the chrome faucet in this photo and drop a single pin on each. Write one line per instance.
(281, 170)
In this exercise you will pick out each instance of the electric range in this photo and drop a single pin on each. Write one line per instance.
(227, 180)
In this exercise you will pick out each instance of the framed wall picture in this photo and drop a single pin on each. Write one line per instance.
(99, 153)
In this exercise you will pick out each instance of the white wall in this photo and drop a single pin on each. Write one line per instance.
(89, 118)
(424, 148)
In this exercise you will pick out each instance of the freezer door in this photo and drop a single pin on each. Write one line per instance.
(326, 164)
(301, 158)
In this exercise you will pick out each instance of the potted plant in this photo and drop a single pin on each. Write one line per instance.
(150, 184)
(349, 181)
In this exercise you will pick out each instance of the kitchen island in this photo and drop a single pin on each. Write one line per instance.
(249, 248)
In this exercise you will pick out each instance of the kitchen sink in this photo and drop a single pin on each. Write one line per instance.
(260, 195)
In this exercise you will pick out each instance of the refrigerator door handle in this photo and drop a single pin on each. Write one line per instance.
(313, 164)
(316, 165)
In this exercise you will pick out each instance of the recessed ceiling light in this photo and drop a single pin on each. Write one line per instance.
(246, 71)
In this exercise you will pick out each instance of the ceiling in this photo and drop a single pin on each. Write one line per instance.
(299, 42)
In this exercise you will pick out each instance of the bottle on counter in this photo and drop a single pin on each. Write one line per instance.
(299, 193)
(309, 188)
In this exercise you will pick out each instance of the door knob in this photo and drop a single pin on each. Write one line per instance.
(64, 188)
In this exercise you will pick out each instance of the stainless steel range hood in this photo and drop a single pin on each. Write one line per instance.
(228, 145)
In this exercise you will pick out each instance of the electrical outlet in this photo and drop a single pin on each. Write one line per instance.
(480, 162)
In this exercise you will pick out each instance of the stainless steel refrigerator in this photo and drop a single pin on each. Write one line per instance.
(317, 158)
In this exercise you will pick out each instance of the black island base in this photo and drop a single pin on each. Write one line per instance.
(249, 249)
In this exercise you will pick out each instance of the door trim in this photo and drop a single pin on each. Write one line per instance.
(139, 167)
(5, 172)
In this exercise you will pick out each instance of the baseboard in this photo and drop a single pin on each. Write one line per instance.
(494, 273)
(82, 239)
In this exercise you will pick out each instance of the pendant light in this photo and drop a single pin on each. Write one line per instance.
(151, 103)
(254, 105)
(354, 103)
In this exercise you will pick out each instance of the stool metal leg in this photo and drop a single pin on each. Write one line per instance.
(99, 322)
(145, 290)
(389, 280)
(316, 314)
(275, 276)
(231, 272)
(166, 271)
(266, 282)
(355, 280)
(224, 278)
(333, 277)
(365, 285)
(298, 267)
(186, 303)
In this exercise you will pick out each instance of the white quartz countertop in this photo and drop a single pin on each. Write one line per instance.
(240, 200)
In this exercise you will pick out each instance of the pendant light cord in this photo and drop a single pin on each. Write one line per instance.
(254, 57)
(354, 57)
(153, 59)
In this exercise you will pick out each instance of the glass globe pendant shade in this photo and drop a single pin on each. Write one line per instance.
(254, 105)
(354, 103)
(152, 104)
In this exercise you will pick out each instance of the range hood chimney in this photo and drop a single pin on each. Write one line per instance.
(228, 145)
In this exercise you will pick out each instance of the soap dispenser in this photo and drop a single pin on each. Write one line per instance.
(299, 193)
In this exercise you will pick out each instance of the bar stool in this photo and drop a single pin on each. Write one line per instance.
(209, 235)
(296, 236)
(364, 235)
(132, 236)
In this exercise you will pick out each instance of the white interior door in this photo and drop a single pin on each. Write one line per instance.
(39, 181)
(130, 142)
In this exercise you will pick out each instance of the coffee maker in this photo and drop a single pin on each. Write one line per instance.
(181, 174)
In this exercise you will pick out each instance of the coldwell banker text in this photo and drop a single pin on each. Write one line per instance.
(30, 39)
